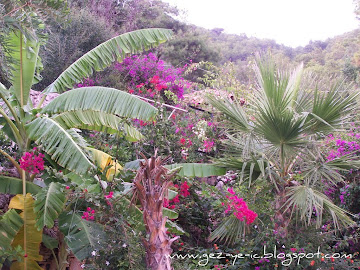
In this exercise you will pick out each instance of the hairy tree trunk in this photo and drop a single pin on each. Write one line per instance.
(151, 185)
(281, 218)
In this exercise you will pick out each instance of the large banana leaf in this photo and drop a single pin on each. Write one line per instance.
(29, 238)
(59, 144)
(102, 56)
(81, 236)
(101, 99)
(10, 224)
(99, 121)
(12, 185)
(103, 160)
(48, 205)
(24, 51)
(197, 169)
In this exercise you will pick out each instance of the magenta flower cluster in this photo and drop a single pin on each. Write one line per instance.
(31, 162)
(239, 208)
(89, 214)
(343, 147)
(147, 75)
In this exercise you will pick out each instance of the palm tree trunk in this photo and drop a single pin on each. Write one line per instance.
(151, 184)
(281, 218)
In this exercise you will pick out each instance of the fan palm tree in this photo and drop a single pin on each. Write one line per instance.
(279, 134)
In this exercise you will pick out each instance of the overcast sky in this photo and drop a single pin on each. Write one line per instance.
(291, 22)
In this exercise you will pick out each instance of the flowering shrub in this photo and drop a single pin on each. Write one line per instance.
(239, 208)
(148, 76)
(31, 162)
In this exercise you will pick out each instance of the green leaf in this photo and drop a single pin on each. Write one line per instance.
(49, 242)
(174, 228)
(105, 161)
(48, 205)
(231, 230)
(86, 181)
(10, 225)
(99, 121)
(12, 185)
(24, 51)
(102, 56)
(197, 169)
(101, 99)
(80, 235)
(171, 214)
(29, 238)
(59, 144)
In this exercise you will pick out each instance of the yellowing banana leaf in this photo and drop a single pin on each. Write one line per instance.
(29, 238)
(103, 160)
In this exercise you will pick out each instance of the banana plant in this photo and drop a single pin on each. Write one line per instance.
(54, 127)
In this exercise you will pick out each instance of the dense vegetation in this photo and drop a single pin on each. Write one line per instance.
(129, 137)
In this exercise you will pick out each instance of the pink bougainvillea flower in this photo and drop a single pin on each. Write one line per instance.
(183, 141)
(32, 163)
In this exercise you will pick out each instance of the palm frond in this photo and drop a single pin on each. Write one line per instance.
(230, 230)
(331, 110)
(250, 169)
(101, 99)
(102, 56)
(309, 202)
(59, 144)
(236, 116)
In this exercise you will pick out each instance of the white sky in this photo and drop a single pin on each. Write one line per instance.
(291, 22)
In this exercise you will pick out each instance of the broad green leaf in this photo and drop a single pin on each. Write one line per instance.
(24, 51)
(28, 230)
(10, 225)
(80, 235)
(102, 56)
(103, 160)
(174, 228)
(48, 205)
(197, 169)
(49, 242)
(171, 194)
(86, 181)
(101, 99)
(171, 214)
(98, 121)
(12, 185)
(59, 144)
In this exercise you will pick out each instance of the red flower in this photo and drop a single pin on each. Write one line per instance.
(183, 141)
(155, 80)
(131, 91)
(173, 116)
